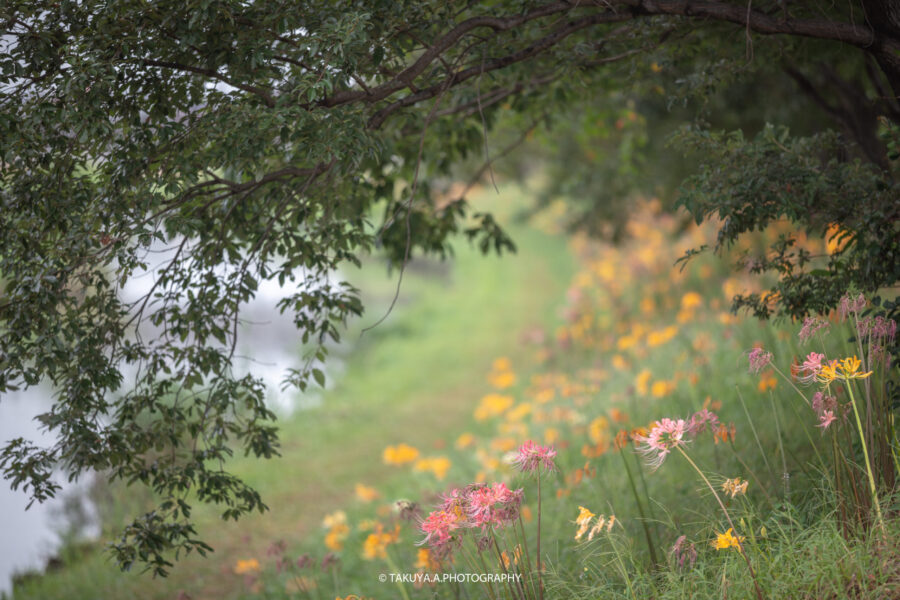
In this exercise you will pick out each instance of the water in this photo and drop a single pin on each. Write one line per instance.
(268, 345)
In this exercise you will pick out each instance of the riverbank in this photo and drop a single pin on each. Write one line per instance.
(409, 379)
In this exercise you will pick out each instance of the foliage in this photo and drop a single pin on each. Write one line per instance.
(747, 186)
(251, 141)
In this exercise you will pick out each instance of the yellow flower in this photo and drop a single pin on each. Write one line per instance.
(246, 566)
(492, 405)
(735, 486)
(519, 412)
(691, 300)
(660, 389)
(334, 519)
(501, 364)
(641, 382)
(850, 369)
(727, 540)
(464, 441)
(597, 430)
(438, 465)
(400, 454)
(583, 520)
(600, 524)
(366, 493)
(376, 544)
(501, 379)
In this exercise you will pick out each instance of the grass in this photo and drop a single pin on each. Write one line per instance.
(638, 341)
(412, 376)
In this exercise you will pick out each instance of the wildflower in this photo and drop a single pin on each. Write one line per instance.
(621, 439)
(850, 369)
(437, 527)
(304, 561)
(828, 372)
(826, 418)
(758, 359)
(336, 523)
(246, 566)
(602, 522)
(665, 435)
(531, 457)
(727, 540)
(492, 405)
(464, 441)
(366, 493)
(700, 420)
(502, 379)
(811, 367)
(583, 520)
(377, 542)
(811, 326)
(492, 506)
(330, 560)
(400, 454)
(691, 300)
(438, 465)
(735, 486)
(849, 305)
(684, 551)
(660, 389)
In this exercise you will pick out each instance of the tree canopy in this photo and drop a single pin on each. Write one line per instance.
(272, 140)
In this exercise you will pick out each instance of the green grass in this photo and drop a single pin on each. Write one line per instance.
(417, 378)
(411, 379)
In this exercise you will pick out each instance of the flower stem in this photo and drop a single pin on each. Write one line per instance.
(637, 500)
(540, 567)
(740, 546)
(862, 439)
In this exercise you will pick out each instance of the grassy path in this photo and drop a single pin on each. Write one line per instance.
(413, 379)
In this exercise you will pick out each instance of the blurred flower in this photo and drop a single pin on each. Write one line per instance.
(400, 454)
(438, 526)
(665, 435)
(438, 465)
(330, 560)
(700, 420)
(767, 382)
(683, 552)
(464, 441)
(336, 523)
(246, 566)
(532, 456)
(826, 418)
(691, 300)
(602, 523)
(849, 305)
(366, 493)
(758, 359)
(735, 486)
(809, 370)
(583, 521)
(377, 542)
(727, 540)
(811, 326)
(492, 405)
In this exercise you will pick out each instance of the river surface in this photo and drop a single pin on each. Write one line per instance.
(268, 346)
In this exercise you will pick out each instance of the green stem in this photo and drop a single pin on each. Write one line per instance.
(862, 439)
(394, 569)
(637, 501)
(759, 593)
(540, 567)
